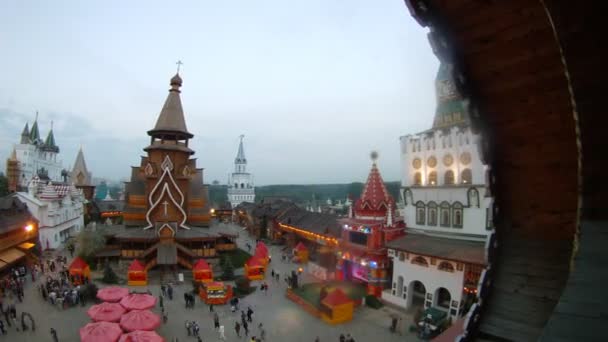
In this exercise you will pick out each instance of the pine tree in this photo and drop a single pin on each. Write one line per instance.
(228, 269)
(109, 276)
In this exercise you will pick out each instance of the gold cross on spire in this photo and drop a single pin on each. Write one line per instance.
(179, 64)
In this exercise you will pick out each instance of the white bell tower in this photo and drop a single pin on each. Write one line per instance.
(240, 182)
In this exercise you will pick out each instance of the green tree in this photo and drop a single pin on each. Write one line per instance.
(227, 269)
(89, 242)
(109, 276)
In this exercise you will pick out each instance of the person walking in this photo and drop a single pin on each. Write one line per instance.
(210, 307)
(163, 290)
(161, 301)
(237, 328)
(342, 338)
(2, 328)
(189, 328)
(246, 328)
(249, 314)
(170, 292)
(54, 335)
(221, 331)
(186, 299)
(216, 321)
(243, 319)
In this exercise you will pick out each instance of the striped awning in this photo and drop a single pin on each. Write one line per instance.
(11, 255)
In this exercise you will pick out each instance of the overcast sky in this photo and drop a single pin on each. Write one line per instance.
(313, 85)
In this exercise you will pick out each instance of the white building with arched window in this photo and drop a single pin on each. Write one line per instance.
(446, 205)
(240, 182)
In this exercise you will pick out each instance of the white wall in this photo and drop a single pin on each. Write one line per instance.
(54, 217)
(31, 159)
(439, 144)
(431, 277)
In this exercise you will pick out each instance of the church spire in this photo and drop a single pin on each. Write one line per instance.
(25, 135)
(34, 133)
(240, 155)
(49, 143)
(375, 199)
(171, 123)
(80, 175)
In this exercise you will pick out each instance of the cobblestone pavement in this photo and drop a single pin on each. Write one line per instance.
(283, 320)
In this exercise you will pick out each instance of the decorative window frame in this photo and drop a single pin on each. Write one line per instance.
(420, 218)
(457, 207)
(445, 207)
(420, 261)
(432, 210)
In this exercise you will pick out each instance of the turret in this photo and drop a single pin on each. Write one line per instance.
(25, 135)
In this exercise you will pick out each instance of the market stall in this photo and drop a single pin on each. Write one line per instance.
(137, 274)
(139, 320)
(300, 253)
(337, 307)
(202, 272)
(112, 294)
(80, 273)
(141, 335)
(254, 269)
(138, 301)
(100, 332)
(261, 252)
(106, 312)
(215, 293)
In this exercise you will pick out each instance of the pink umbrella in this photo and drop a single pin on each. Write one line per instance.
(100, 332)
(141, 336)
(138, 301)
(107, 312)
(140, 320)
(112, 293)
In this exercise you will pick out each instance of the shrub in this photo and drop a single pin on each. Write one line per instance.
(242, 283)
(109, 276)
(89, 291)
(373, 302)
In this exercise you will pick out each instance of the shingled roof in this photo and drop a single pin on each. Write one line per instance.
(171, 121)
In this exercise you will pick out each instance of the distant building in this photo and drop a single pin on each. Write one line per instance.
(18, 232)
(240, 182)
(37, 157)
(81, 177)
(58, 207)
(371, 224)
(166, 210)
(446, 208)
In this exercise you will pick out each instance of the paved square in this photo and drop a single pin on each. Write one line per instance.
(283, 320)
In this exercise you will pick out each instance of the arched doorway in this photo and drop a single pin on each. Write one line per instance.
(442, 298)
(416, 294)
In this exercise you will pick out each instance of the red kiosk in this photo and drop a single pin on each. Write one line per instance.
(80, 272)
(365, 232)
(215, 292)
(201, 272)
(254, 268)
(261, 252)
(300, 253)
(137, 274)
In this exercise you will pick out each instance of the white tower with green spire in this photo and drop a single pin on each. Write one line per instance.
(37, 156)
(240, 182)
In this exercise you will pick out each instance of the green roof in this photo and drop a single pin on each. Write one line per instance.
(451, 109)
